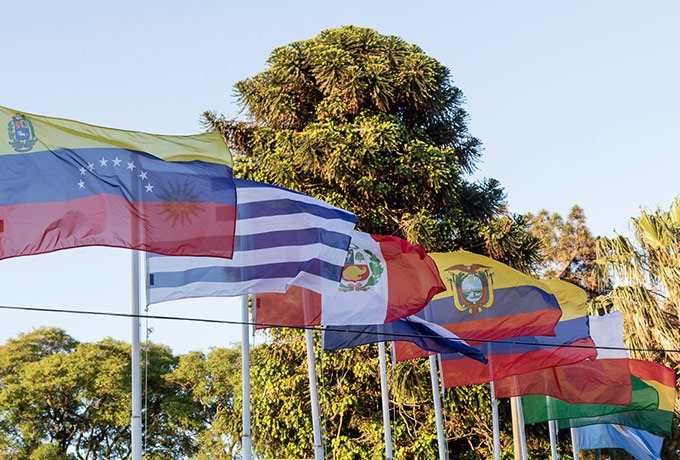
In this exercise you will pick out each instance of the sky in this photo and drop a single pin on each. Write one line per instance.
(576, 103)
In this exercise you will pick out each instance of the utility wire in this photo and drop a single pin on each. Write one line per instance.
(518, 341)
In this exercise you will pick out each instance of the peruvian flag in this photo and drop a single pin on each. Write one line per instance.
(384, 278)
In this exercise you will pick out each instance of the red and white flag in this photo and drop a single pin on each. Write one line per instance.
(385, 278)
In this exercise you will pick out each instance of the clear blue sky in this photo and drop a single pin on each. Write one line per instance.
(575, 103)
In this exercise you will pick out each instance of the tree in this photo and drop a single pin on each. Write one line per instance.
(63, 399)
(372, 124)
(567, 249)
(213, 383)
(646, 273)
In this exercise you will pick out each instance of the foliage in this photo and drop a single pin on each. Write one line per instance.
(351, 410)
(646, 272)
(568, 249)
(213, 383)
(372, 124)
(63, 399)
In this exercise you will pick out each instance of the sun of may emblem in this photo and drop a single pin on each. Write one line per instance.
(181, 204)
(362, 270)
(472, 287)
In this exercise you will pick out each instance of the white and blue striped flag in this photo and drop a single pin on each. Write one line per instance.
(282, 238)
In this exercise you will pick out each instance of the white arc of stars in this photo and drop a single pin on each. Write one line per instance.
(116, 162)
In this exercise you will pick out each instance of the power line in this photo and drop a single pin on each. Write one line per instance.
(518, 341)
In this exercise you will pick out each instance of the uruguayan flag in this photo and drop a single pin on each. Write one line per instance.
(283, 238)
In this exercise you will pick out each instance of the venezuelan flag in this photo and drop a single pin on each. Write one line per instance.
(65, 184)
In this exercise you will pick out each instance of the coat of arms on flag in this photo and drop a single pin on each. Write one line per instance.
(362, 269)
(472, 285)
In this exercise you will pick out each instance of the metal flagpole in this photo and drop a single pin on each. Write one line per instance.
(438, 408)
(552, 426)
(520, 427)
(574, 443)
(246, 441)
(136, 363)
(443, 394)
(314, 395)
(496, 423)
(385, 401)
(516, 441)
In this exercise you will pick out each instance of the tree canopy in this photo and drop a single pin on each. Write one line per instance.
(372, 124)
(568, 249)
(61, 399)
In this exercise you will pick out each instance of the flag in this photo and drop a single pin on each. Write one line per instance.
(519, 355)
(384, 278)
(283, 238)
(540, 408)
(654, 420)
(426, 335)
(487, 300)
(639, 443)
(584, 382)
(65, 184)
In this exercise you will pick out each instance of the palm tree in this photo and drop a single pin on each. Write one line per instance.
(646, 273)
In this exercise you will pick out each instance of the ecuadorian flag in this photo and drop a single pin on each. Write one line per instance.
(487, 300)
(65, 184)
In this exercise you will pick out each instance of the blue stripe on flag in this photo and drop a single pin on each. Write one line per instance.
(300, 237)
(286, 207)
(283, 238)
(215, 274)
(639, 443)
(417, 332)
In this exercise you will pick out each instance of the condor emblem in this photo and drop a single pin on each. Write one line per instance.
(472, 287)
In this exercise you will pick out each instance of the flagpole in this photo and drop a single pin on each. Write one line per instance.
(574, 443)
(314, 395)
(385, 401)
(443, 393)
(496, 423)
(516, 441)
(520, 425)
(136, 364)
(246, 441)
(552, 426)
(437, 408)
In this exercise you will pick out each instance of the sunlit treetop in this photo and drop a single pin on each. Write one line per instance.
(372, 124)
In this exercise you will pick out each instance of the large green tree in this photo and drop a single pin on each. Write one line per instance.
(63, 399)
(372, 124)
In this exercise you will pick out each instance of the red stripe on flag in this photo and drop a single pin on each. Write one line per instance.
(466, 371)
(296, 307)
(172, 228)
(649, 370)
(412, 276)
(585, 382)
